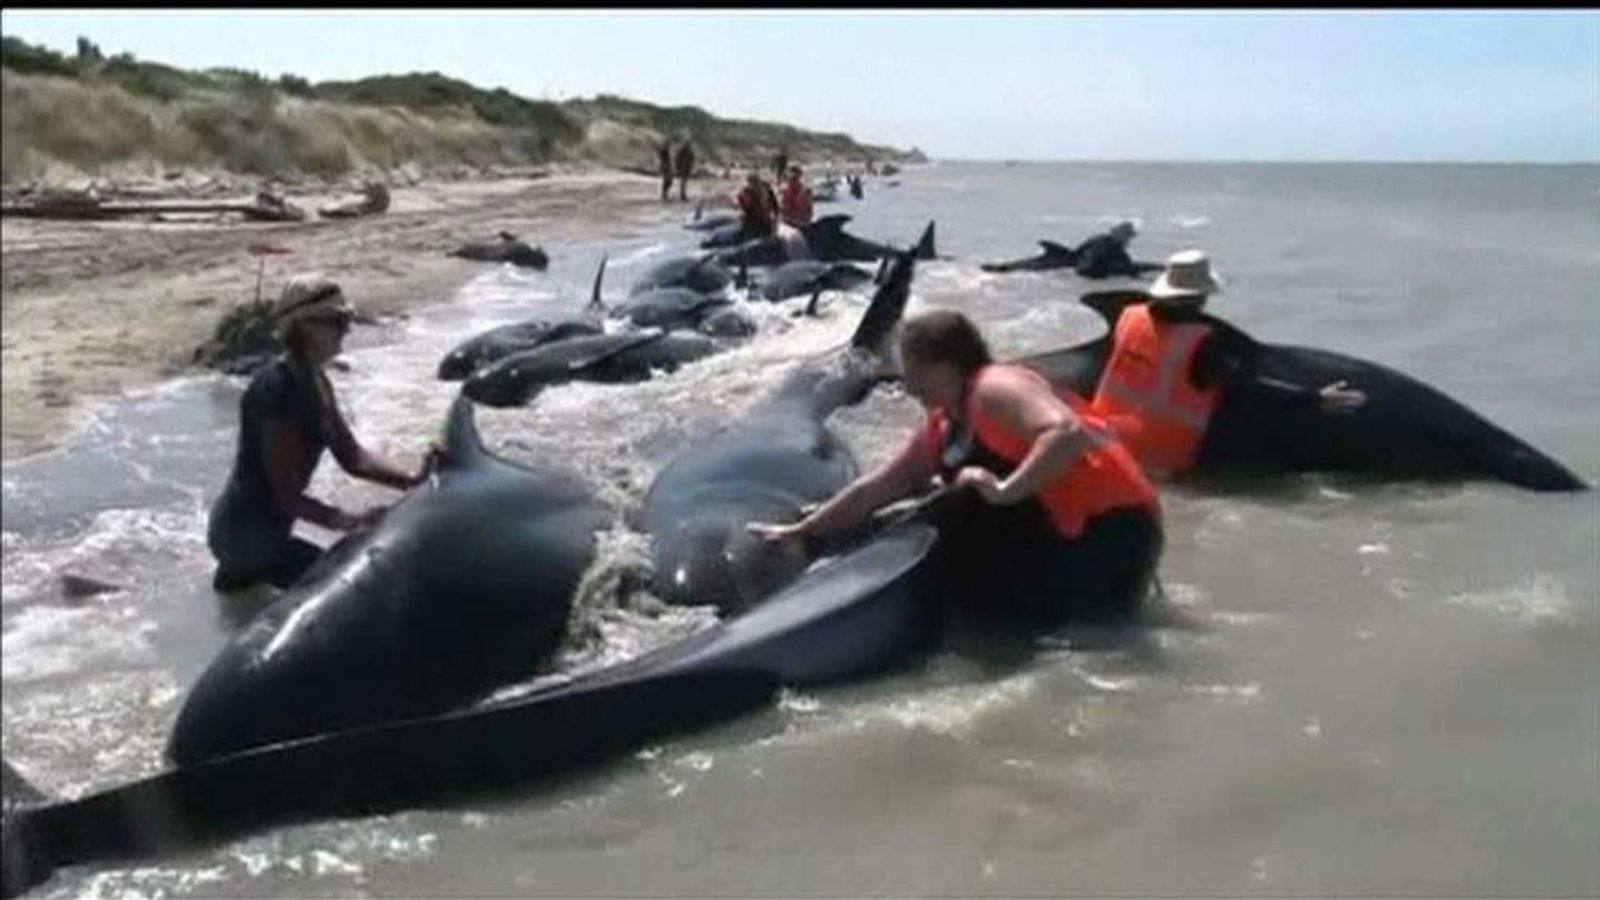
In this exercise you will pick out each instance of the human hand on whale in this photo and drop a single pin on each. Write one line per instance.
(1339, 397)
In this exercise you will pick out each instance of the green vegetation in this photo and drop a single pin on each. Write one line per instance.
(86, 113)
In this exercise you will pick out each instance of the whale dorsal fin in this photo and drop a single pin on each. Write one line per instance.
(597, 305)
(814, 303)
(461, 446)
(888, 302)
(507, 236)
(1051, 248)
(1110, 304)
(924, 248)
(835, 222)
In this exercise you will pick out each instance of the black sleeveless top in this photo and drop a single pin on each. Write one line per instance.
(275, 392)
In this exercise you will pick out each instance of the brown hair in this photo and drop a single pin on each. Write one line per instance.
(947, 336)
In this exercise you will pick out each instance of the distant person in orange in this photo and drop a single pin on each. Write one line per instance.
(794, 201)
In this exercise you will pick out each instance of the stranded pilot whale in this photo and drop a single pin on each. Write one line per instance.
(476, 352)
(464, 586)
(506, 248)
(851, 615)
(1406, 429)
(776, 458)
(1099, 256)
(827, 241)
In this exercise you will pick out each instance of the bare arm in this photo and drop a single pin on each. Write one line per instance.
(361, 462)
(1026, 406)
(851, 506)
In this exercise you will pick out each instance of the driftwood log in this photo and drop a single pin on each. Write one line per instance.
(266, 207)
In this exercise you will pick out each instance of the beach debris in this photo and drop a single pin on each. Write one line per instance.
(374, 201)
(78, 587)
(87, 204)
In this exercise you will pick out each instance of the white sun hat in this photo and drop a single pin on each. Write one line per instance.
(1188, 274)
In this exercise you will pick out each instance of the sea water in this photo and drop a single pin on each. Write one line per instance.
(1345, 686)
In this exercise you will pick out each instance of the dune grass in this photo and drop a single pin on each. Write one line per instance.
(90, 115)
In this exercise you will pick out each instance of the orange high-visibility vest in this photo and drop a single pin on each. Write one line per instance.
(794, 204)
(1145, 394)
(1103, 478)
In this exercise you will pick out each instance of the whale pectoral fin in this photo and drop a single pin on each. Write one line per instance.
(643, 338)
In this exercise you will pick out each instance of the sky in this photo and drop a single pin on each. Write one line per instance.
(1422, 85)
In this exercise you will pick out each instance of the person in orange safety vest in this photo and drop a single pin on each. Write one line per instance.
(1171, 367)
(1047, 514)
(794, 201)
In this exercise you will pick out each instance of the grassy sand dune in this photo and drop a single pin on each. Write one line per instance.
(66, 118)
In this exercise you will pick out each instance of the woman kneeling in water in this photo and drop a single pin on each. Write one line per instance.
(287, 418)
(1047, 510)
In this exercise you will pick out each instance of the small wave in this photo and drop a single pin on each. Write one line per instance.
(1542, 598)
(640, 255)
(1189, 223)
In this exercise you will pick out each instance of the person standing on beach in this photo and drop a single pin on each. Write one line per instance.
(780, 164)
(664, 164)
(287, 417)
(685, 163)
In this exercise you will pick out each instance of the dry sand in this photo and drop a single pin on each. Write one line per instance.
(93, 309)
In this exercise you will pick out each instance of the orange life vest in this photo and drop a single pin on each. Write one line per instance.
(795, 203)
(1103, 478)
(1145, 394)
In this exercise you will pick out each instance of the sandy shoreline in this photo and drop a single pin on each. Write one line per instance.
(94, 309)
